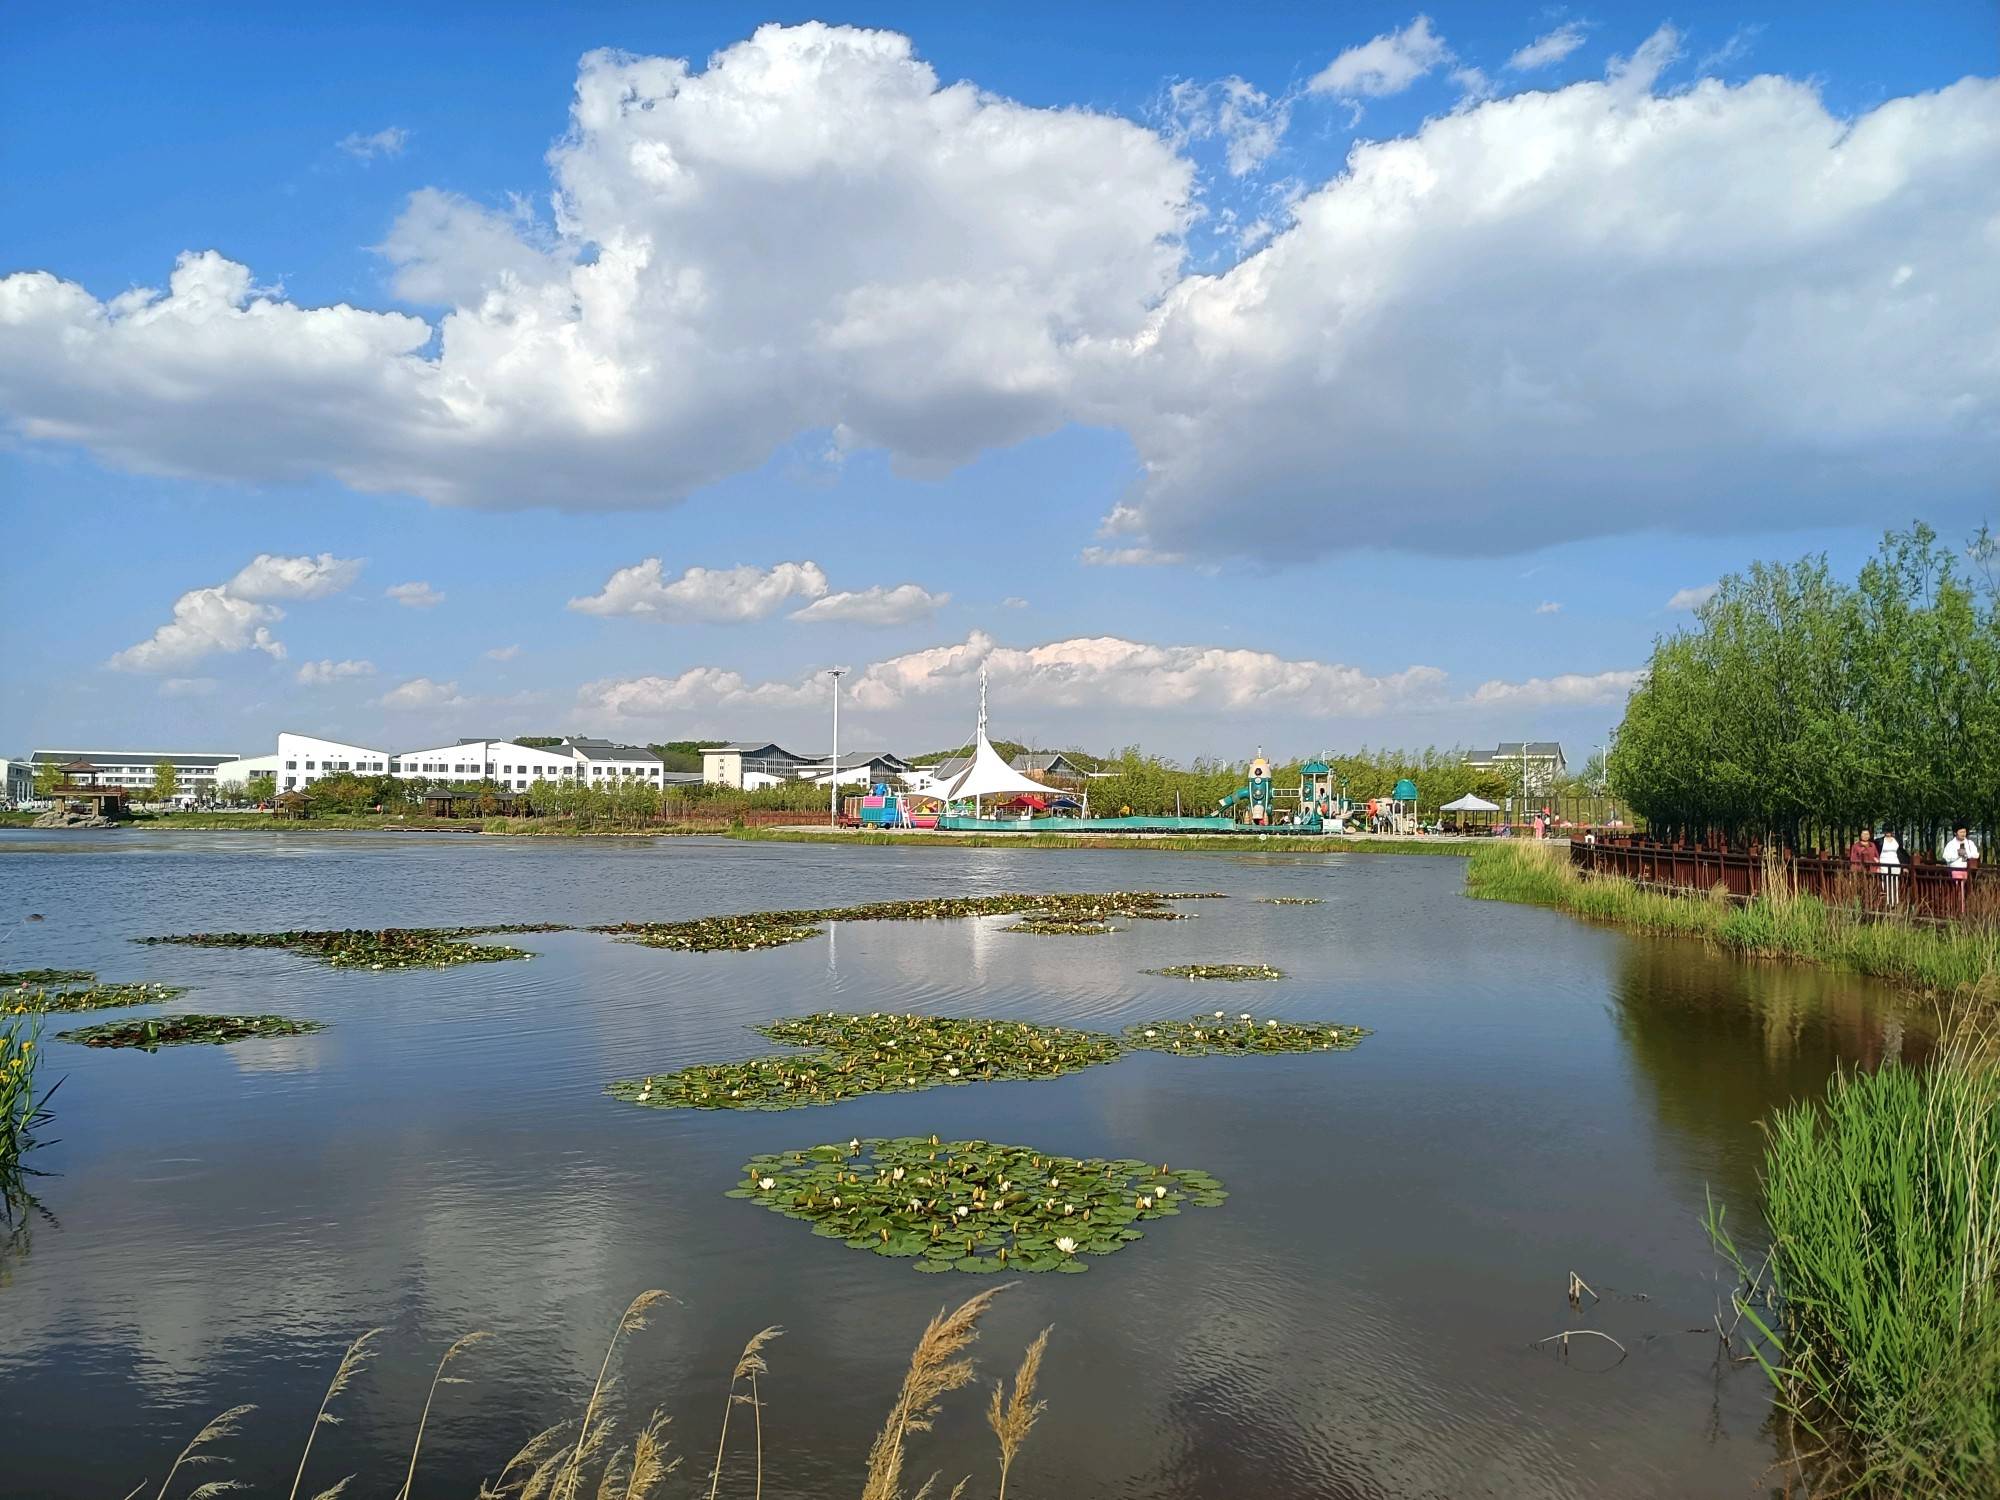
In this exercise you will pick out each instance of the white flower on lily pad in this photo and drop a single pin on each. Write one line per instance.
(961, 1210)
(952, 1072)
(1150, 1033)
(767, 1183)
(1270, 1023)
(1065, 1244)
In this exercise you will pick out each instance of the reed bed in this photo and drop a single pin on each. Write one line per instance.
(592, 1455)
(21, 1109)
(1957, 960)
(1882, 1327)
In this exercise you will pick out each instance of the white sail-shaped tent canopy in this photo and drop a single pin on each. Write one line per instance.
(990, 776)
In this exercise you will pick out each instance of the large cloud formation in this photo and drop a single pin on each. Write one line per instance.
(1601, 308)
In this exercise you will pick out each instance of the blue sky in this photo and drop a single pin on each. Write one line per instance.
(1341, 375)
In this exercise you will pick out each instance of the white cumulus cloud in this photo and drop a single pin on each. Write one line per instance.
(1387, 65)
(1548, 607)
(316, 673)
(721, 595)
(1128, 557)
(267, 576)
(1569, 689)
(422, 692)
(503, 653)
(234, 616)
(875, 606)
(388, 141)
(1579, 311)
(1693, 598)
(414, 595)
(1549, 48)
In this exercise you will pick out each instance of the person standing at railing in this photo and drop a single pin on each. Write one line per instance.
(1890, 860)
(1862, 854)
(1961, 854)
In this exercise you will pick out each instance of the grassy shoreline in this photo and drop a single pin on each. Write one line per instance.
(1943, 960)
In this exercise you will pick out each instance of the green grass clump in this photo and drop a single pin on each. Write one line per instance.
(20, 1106)
(1241, 1035)
(176, 1031)
(1234, 973)
(873, 1054)
(1884, 1209)
(971, 1205)
(383, 948)
(773, 929)
(1945, 958)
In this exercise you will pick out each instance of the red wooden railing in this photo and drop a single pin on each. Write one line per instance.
(1926, 890)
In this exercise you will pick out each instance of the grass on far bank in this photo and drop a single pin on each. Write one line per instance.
(1951, 960)
(1205, 843)
(1881, 1329)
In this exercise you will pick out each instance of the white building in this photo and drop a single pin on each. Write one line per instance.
(133, 769)
(303, 759)
(601, 763)
(233, 776)
(17, 780)
(513, 766)
(751, 764)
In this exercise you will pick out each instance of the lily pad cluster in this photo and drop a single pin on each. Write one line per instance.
(176, 1031)
(21, 979)
(1232, 972)
(1061, 927)
(773, 929)
(1291, 900)
(1220, 1034)
(85, 996)
(973, 1206)
(382, 948)
(872, 1054)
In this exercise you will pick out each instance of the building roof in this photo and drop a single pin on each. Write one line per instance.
(1039, 760)
(1514, 747)
(595, 749)
(136, 757)
(849, 759)
(762, 749)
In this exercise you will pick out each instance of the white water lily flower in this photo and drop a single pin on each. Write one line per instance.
(1270, 1023)
(1054, 1183)
(836, 1200)
(1243, 1015)
(1152, 1033)
(1144, 1204)
(1065, 1244)
(854, 1145)
(897, 1174)
(961, 1210)
(953, 1072)
(1218, 1015)
(1069, 1208)
(767, 1183)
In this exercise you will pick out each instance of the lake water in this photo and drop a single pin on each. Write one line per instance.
(1357, 1320)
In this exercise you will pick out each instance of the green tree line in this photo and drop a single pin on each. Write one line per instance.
(1799, 708)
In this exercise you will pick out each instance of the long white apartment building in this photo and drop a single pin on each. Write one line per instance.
(302, 759)
(196, 770)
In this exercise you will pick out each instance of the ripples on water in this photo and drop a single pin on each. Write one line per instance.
(1539, 1095)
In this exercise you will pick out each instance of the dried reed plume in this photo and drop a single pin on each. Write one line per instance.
(437, 1379)
(749, 1365)
(350, 1366)
(218, 1427)
(568, 1481)
(935, 1371)
(1012, 1418)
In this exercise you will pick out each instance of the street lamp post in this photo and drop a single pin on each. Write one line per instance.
(833, 781)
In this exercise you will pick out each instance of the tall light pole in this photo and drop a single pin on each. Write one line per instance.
(833, 781)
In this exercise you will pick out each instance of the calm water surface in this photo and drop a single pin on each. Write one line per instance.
(1357, 1320)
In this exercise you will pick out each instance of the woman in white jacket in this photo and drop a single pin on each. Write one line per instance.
(1890, 860)
(1961, 854)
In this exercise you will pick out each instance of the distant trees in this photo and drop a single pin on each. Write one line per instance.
(1800, 708)
(166, 781)
(48, 776)
(261, 788)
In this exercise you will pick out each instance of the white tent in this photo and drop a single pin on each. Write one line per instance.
(1470, 803)
(989, 776)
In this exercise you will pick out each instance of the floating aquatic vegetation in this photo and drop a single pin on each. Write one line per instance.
(1240, 1034)
(88, 997)
(972, 1205)
(772, 929)
(174, 1031)
(873, 1054)
(1220, 971)
(19, 979)
(1061, 927)
(383, 948)
(1291, 900)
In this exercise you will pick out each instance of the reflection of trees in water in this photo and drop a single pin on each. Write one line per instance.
(19, 1209)
(1720, 1042)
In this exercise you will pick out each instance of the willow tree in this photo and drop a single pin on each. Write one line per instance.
(1799, 708)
